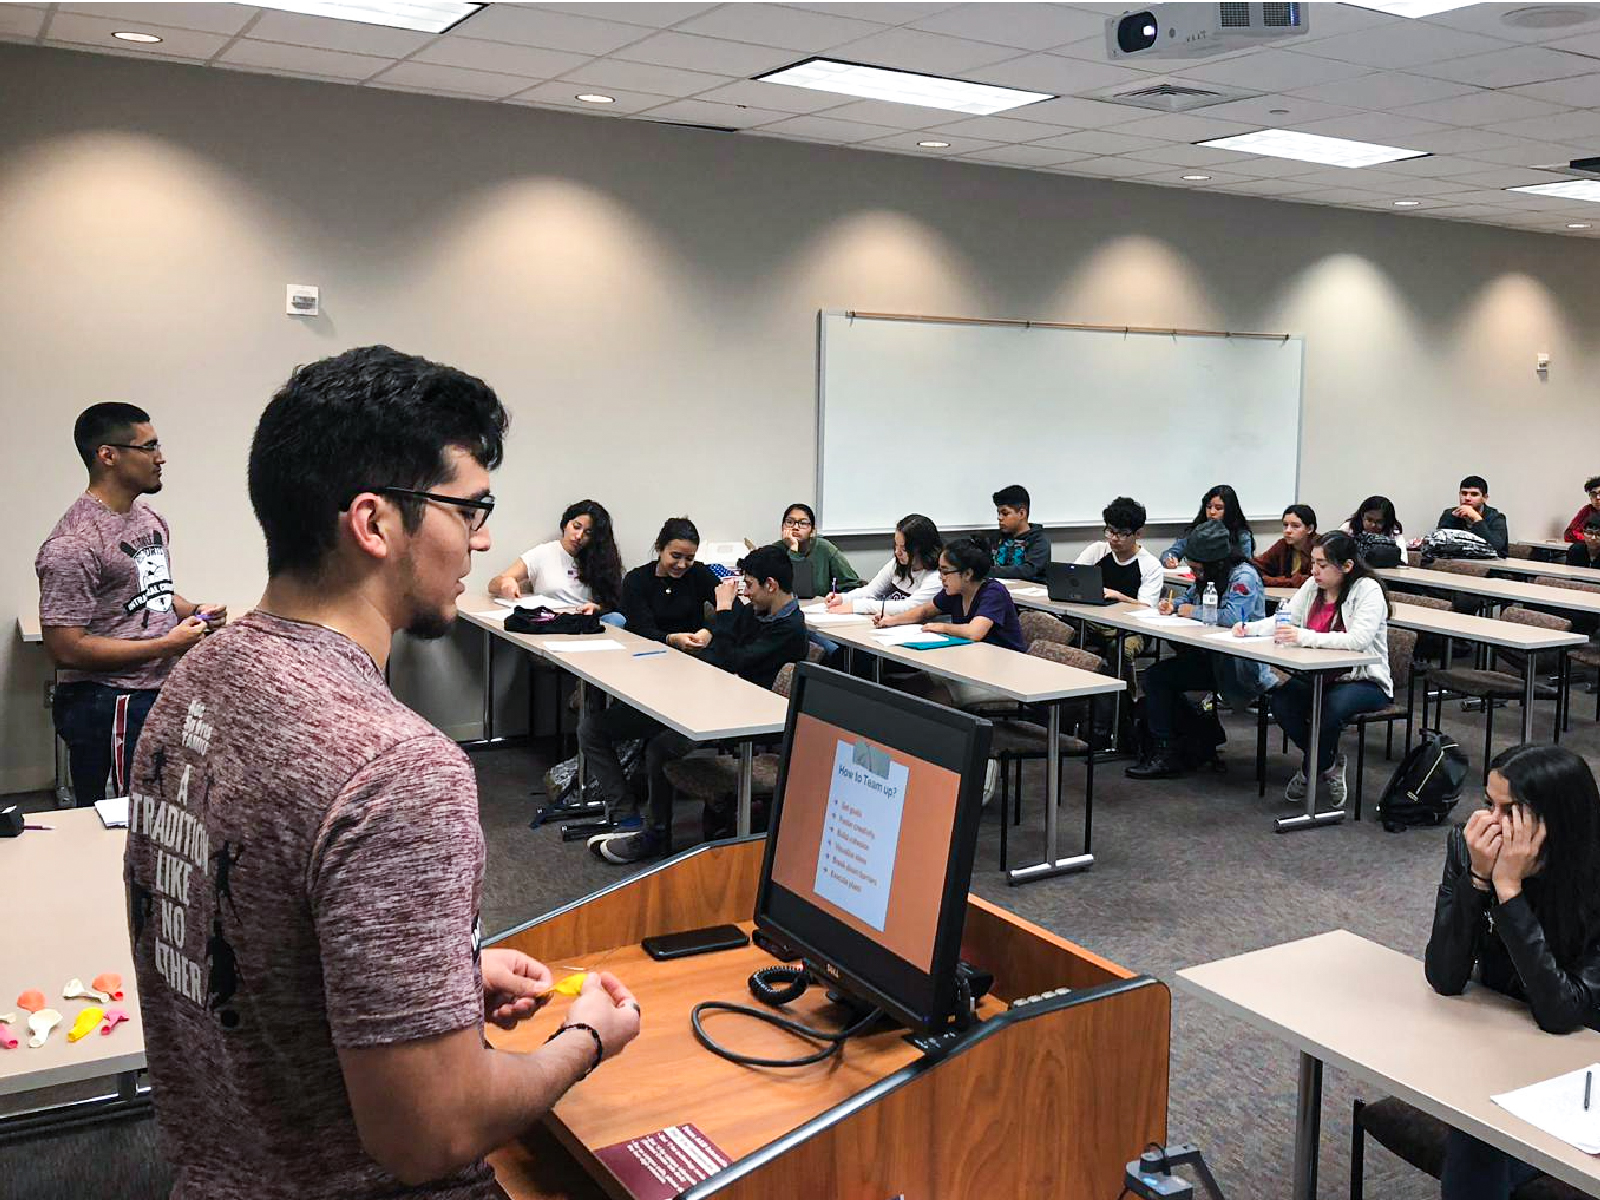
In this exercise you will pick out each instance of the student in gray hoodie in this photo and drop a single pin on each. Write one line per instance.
(1022, 550)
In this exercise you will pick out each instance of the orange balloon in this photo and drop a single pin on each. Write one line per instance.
(109, 983)
(32, 1000)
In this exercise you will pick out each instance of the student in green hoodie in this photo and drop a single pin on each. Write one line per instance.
(819, 568)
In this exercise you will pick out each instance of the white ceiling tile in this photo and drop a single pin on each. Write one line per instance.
(353, 37)
(1113, 168)
(907, 142)
(784, 97)
(1509, 177)
(96, 31)
(642, 77)
(1460, 141)
(457, 80)
(1573, 125)
(1341, 196)
(530, 62)
(1384, 90)
(1180, 154)
(1490, 19)
(1098, 142)
(1026, 26)
(913, 50)
(1436, 166)
(1275, 71)
(560, 93)
(1583, 92)
(825, 129)
(1270, 168)
(775, 25)
(1184, 127)
(19, 22)
(891, 12)
(1048, 73)
(899, 116)
(994, 129)
(380, 85)
(526, 25)
(703, 112)
(1334, 20)
(1026, 156)
(1407, 44)
(1267, 187)
(1277, 111)
(303, 60)
(1076, 113)
(1511, 66)
(656, 16)
(1382, 128)
(1527, 154)
(690, 53)
(1480, 108)
(205, 18)
(1492, 197)
(1579, 43)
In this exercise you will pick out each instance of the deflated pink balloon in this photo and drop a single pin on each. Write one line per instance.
(114, 1017)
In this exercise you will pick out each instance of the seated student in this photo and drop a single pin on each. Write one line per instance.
(908, 580)
(1475, 515)
(1589, 512)
(1376, 515)
(1287, 562)
(1221, 503)
(1213, 555)
(752, 638)
(819, 568)
(1587, 552)
(1343, 606)
(665, 600)
(1518, 908)
(1022, 550)
(581, 571)
(1129, 572)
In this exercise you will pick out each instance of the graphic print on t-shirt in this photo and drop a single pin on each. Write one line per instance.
(155, 575)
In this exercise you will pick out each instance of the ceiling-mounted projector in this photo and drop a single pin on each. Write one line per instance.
(1196, 30)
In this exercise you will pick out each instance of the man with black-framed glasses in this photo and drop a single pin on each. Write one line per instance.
(111, 619)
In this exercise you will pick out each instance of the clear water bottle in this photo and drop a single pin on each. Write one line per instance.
(1208, 605)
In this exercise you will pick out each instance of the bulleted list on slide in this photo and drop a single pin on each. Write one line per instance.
(861, 831)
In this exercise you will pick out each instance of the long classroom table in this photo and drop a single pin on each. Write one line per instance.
(1020, 677)
(704, 703)
(1504, 591)
(1317, 664)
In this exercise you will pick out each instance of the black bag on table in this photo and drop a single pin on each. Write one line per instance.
(1376, 550)
(544, 620)
(1426, 785)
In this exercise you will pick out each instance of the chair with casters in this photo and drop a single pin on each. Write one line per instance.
(1583, 656)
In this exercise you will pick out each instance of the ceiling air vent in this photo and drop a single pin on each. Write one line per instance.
(1170, 97)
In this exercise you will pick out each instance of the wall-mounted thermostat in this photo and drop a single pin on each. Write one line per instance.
(303, 300)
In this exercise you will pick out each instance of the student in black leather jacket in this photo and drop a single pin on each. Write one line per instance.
(1519, 902)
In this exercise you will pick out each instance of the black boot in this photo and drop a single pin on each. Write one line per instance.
(1162, 763)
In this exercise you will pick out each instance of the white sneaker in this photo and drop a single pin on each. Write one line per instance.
(1338, 789)
(991, 781)
(1297, 787)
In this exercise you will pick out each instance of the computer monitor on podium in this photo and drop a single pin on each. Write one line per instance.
(871, 839)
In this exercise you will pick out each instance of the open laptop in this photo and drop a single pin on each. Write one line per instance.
(1073, 583)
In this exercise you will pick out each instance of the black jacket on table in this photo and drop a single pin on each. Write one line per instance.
(1507, 945)
(755, 648)
(656, 606)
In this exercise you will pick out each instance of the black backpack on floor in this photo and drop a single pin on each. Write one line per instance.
(1426, 785)
(1198, 734)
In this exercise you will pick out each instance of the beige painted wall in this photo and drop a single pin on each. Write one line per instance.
(645, 300)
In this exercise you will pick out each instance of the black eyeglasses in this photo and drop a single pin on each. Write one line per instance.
(480, 508)
(147, 447)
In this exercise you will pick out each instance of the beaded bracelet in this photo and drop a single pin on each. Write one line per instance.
(599, 1046)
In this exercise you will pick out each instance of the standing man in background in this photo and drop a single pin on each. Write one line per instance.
(111, 619)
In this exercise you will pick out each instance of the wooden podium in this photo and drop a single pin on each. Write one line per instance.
(1046, 1095)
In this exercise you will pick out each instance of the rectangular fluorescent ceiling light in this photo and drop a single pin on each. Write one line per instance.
(1572, 189)
(902, 87)
(425, 16)
(1416, 8)
(1308, 147)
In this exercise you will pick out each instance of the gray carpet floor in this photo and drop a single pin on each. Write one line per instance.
(1186, 871)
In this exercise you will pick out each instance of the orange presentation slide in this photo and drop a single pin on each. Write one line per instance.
(865, 836)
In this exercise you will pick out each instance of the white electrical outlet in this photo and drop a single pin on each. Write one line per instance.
(303, 300)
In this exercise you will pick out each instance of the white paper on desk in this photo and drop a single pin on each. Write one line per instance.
(899, 635)
(1029, 591)
(498, 614)
(1249, 637)
(113, 811)
(579, 647)
(828, 618)
(1154, 618)
(1556, 1106)
(533, 602)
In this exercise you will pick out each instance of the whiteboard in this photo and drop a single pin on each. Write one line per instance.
(933, 417)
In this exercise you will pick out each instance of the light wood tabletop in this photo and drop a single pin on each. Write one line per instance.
(65, 917)
(1556, 570)
(1511, 591)
(1488, 630)
(1368, 1010)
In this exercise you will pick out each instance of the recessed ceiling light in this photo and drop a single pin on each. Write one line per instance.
(1550, 16)
(1197, 178)
(1309, 147)
(595, 98)
(1572, 189)
(1413, 8)
(1407, 203)
(1578, 225)
(934, 145)
(902, 87)
(425, 16)
(144, 39)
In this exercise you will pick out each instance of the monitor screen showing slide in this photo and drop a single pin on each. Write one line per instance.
(870, 848)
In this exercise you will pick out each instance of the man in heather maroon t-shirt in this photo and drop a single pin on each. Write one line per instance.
(304, 855)
(111, 619)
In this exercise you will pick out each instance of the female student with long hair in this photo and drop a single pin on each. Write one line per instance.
(1343, 606)
(908, 580)
(1221, 503)
(1287, 562)
(581, 570)
(1376, 515)
(1519, 906)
